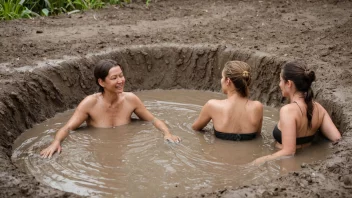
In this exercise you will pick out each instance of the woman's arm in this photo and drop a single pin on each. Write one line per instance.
(327, 127)
(203, 118)
(288, 136)
(78, 117)
(259, 115)
(142, 112)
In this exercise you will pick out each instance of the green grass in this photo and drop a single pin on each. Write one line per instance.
(14, 9)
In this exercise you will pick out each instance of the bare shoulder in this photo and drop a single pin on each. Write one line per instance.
(130, 96)
(213, 103)
(88, 103)
(256, 105)
(256, 110)
(90, 100)
(288, 109)
(318, 106)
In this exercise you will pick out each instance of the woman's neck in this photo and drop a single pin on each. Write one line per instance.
(234, 95)
(296, 96)
(110, 98)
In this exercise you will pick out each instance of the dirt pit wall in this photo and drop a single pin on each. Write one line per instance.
(29, 95)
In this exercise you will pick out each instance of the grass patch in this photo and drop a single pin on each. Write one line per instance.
(14, 9)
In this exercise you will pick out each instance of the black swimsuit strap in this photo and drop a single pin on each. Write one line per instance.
(298, 107)
(234, 136)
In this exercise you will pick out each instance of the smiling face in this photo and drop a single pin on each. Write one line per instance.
(114, 81)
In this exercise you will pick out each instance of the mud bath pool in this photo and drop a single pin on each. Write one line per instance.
(32, 94)
(133, 161)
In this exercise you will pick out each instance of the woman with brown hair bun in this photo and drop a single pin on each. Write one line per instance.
(237, 117)
(302, 117)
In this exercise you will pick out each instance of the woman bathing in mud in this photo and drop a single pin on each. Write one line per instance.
(109, 108)
(302, 117)
(237, 117)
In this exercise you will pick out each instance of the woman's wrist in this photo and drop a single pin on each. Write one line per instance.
(57, 141)
(166, 133)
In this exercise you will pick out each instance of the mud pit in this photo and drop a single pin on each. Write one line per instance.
(105, 162)
(318, 31)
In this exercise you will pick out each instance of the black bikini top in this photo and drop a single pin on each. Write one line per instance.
(235, 136)
(299, 141)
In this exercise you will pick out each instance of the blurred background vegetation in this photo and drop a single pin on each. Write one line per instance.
(14, 9)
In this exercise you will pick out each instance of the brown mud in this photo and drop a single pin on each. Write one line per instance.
(46, 67)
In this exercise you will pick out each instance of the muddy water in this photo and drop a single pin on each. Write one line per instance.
(134, 161)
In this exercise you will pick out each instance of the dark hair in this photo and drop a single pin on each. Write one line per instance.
(101, 71)
(239, 73)
(302, 77)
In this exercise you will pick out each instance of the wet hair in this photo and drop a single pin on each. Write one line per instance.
(303, 78)
(101, 71)
(239, 73)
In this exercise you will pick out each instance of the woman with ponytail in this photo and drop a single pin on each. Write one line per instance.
(302, 117)
(237, 117)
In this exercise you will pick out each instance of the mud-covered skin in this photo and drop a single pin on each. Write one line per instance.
(320, 32)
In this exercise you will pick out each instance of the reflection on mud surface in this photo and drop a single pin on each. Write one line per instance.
(134, 161)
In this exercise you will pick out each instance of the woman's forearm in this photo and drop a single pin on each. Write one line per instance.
(61, 134)
(161, 126)
(274, 156)
(282, 153)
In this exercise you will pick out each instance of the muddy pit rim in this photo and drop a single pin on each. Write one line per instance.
(31, 94)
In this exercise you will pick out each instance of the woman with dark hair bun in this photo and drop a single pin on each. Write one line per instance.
(235, 118)
(302, 117)
(109, 108)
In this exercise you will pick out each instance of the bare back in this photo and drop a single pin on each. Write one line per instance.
(300, 113)
(241, 116)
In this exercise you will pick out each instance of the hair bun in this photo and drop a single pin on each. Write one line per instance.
(310, 75)
(245, 74)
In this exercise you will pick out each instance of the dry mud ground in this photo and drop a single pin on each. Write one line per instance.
(320, 32)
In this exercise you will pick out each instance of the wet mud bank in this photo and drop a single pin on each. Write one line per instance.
(29, 95)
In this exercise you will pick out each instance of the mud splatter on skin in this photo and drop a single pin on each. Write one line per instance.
(317, 31)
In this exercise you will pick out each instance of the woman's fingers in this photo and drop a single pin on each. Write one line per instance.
(178, 139)
(44, 153)
(51, 153)
(48, 152)
(173, 139)
(168, 139)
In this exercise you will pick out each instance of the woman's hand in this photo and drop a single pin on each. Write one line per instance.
(172, 138)
(50, 150)
(260, 160)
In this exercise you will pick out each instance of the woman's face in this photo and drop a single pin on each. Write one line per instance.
(115, 81)
(282, 86)
(223, 83)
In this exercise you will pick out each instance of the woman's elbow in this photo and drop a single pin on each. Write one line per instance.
(336, 138)
(288, 152)
(195, 127)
